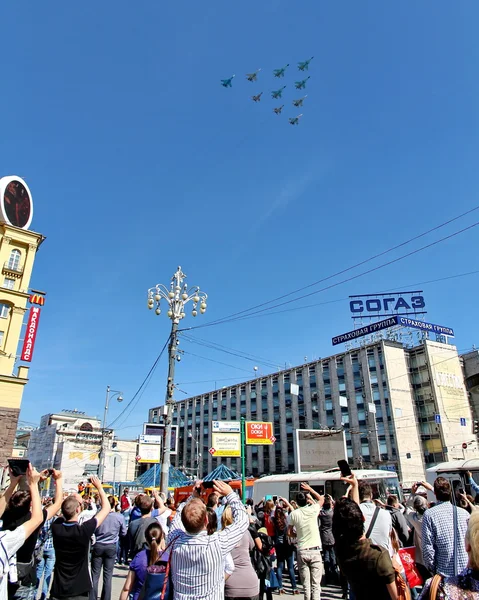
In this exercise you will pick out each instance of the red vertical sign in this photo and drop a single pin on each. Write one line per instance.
(30, 334)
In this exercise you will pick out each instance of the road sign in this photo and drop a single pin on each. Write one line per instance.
(464, 446)
(226, 427)
(259, 432)
(437, 418)
(463, 422)
(226, 444)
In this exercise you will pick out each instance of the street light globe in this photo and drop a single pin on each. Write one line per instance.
(150, 303)
(182, 315)
(194, 312)
(170, 313)
(203, 305)
(184, 296)
(120, 398)
(196, 298)
(171, 294)
(202, 311)
(157, 297)
(158, 311)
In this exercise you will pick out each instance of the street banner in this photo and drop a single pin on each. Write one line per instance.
(30, 334)
(225, 444)
(259, 433)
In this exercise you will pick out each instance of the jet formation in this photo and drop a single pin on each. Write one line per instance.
(277, 94)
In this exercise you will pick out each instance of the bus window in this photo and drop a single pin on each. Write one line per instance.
(391, 486)
(336, 489)
(295, 488)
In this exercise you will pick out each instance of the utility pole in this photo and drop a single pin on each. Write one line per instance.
(101, 463)
(176, 298)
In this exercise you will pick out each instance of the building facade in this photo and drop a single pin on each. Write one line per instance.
(70, 441)
(18, 248)
(470, 362)
(400, 409)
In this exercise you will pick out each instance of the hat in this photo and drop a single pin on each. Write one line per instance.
(420, 503)
(263, 530)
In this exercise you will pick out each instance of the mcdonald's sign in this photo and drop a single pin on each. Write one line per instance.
(37, 299)
(30, 334)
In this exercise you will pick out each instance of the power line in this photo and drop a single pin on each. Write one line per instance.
(237, 315)
(214, 361)
(144, 383)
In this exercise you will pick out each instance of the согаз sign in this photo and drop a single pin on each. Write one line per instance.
(386, 304)
(30, 334)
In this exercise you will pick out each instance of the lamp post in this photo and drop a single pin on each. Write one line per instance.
(101, 466)
(176, 298)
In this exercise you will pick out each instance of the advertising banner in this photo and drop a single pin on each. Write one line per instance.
(226, 427)
(30, 334)
(157, 429)
(149, 453)
(259, 432)
(226, 444)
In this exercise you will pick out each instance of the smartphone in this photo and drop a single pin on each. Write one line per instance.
(275, 499)
(207, 484)
(268, 497)
(461, 490)
(344, 468)
(19, 466)
(50, 472)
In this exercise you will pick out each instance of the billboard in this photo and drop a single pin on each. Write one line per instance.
(226, 426)
(149, 453)
(157, 429)
(259, 432)
(392, 322)
(319, 449)
(30, 334)
(225, 444)
(383, 305)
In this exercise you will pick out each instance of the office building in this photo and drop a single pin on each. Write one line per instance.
(401, 408)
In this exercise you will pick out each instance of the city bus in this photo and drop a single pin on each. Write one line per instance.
(455, 472)
(383, 483)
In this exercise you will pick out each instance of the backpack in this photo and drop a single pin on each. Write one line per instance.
(158, 584)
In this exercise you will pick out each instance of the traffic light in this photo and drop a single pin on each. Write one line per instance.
(476, 427)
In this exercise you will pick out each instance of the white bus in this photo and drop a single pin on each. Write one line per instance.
(383, 483)
(455, 471)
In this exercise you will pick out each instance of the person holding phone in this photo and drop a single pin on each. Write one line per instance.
(12, 540)
(17, 512)
(305, 520)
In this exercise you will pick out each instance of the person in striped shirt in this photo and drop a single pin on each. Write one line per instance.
(198, 559)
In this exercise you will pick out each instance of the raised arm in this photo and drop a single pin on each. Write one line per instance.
(14, 481)
(230, 536)
(353, 482)
(36, 519)
(57, 502)
(161, 505)
(315, 495)
(105, 505)
(472, 483)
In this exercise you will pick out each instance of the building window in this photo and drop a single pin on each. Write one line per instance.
(86, 427)
(2, 333)
(8, 283)
(4, 309)
(14, 260)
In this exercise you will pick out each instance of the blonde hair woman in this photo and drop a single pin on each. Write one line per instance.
(464, 586)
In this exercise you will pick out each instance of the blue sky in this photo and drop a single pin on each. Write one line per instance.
(138, 160)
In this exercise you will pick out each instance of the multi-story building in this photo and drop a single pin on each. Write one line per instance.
(470, 362)
(400, 408)
(70, 441)
(18, 248)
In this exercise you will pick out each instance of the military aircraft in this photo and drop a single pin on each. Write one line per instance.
(278, 109)
(228, 82)
(278, 93)
(257, 98)
(300, 101)
(300, 85)
(252, 76)
(280, 72)
(295, 120)
(304, 66)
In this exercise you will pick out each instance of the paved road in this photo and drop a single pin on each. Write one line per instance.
(119, 576)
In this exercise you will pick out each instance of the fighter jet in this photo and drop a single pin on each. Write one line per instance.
(257, 98)
(278, 109)
(300, 85)
(304, 66)
(295, 120)
(300, 101)
(278, 93)
(280, 72)
(228, 82)
(252, 76)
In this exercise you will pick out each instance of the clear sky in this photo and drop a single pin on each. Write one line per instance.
(138, 160)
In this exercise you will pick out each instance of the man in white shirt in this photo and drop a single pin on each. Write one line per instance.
(305, 520)
(380, 519)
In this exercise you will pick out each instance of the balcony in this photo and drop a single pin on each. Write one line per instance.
(12, 270)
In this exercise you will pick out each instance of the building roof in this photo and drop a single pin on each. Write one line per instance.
(222, 473)
(152, 477)
(455, 465)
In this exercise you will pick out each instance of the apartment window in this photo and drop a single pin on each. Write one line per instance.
(14, 260)
(8, 283)
(4, 308)
(2, 333)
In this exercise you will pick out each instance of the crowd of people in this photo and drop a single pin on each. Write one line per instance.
(213, 546)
